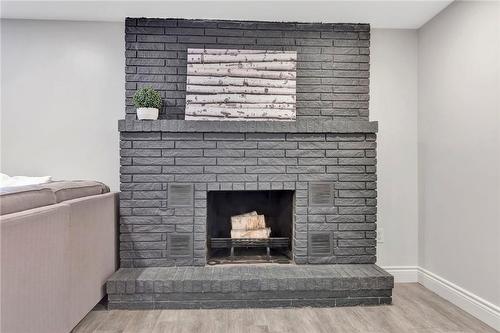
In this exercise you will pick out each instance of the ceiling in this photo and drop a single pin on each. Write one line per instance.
(380, 14)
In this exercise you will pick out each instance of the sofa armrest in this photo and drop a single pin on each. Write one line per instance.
(35, 264)
(93, 250)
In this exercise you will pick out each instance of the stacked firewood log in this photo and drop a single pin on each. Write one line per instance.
(249, 225)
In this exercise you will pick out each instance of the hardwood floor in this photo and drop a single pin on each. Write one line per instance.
(415, 310)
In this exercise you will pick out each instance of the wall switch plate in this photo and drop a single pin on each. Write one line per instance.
(380, 235)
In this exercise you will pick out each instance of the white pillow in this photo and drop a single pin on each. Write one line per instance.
(6, 181)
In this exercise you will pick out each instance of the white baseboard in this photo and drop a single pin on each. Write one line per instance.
(403, 274)
(478, 307)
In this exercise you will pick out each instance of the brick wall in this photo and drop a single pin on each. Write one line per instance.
(245, 161)
(332, 67)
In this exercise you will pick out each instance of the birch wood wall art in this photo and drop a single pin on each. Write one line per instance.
(225, 84)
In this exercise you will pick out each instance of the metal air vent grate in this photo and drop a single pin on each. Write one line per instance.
(180, 195)
(321, 194)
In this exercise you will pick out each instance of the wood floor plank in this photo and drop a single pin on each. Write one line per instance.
(415, 309)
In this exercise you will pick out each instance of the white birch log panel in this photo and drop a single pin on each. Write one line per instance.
(259, 233)
(281, 106)
(225, 84)
(223, 118)
(241, 72)
(239, 81)
(231, 113)
(235, 51)
(268, 66)
(240, 57)
(240, 98)
(248, 222)
(238, 90)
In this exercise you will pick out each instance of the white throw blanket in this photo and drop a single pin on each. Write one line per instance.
(7, 181)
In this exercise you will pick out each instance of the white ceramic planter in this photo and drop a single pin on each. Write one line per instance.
(147, 113)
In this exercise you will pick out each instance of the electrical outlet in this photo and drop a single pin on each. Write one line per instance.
(380, 235)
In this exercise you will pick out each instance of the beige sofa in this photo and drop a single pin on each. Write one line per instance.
(56, 257)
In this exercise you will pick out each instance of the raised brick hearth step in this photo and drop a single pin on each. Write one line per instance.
(243, 286)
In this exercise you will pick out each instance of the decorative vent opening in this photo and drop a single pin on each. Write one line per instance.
(179, 245)
(320, 244)
(180, 195)
(321, 194)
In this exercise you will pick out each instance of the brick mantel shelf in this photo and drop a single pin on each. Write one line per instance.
(300, 126)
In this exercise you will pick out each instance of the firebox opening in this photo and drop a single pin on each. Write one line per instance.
(274, 208)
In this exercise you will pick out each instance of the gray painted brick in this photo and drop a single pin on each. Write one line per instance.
(237, 145)
(224, 136)
(317, 161)
(305, 137)
(357, 145)
(195, 161)
(139, 152)
(236, 178)
(271, 177)
(317, 177)
(140, 136)
(345, 153)
(277, 161)
(182, 152)
(358, 177)
(277, 145)
(266, 169)
(194, 144)
(357, 210)
(264, 153)
(266, 136)
(195, 178)
(357, 193)
(357, 161)
(237, 161)
(140, 169)
(306, 169)
(152, 161)
(182, 136)
(345, 169)
(317, 145)
(152, 144)
(182, 169)
(305, 153)
(224, 152)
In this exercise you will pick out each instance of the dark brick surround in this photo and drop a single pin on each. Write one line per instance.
(246, 156)
(332, 67)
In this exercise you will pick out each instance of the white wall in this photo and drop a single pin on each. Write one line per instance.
(62, 91)
(459, 147)
(393, 102)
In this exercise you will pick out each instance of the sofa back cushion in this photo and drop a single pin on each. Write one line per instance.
(68, 190)
(19, 198)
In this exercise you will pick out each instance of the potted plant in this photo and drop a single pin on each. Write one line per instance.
(148, 102)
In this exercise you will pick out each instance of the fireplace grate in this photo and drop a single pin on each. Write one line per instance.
(232, 243)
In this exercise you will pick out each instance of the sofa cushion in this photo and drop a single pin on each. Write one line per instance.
(67, 190)
(19, 198)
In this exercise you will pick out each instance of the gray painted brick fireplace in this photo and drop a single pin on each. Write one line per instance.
(273, 156)
(332, 145)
